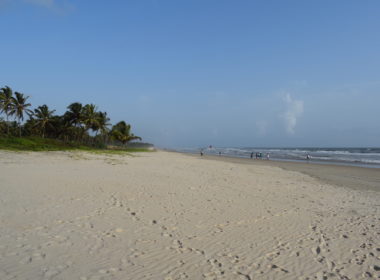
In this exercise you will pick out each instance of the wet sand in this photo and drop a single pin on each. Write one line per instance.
(359, 178)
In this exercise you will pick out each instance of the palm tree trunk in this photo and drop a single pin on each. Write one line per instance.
(7, 124)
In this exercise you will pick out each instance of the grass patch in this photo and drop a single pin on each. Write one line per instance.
(38, 144)
(34, 144)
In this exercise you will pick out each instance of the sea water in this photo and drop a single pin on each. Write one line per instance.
(365, 157)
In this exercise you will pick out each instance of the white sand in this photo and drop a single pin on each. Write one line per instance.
(169, 216)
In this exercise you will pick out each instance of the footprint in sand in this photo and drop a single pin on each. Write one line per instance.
(34, 257)
(316, 250)
(273, 266)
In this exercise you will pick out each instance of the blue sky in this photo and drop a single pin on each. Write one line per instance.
(200, 72)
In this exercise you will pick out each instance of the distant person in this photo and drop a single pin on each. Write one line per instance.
(257, 155)
(220, 153)
(267, 156)
(252, 155)
(308, 157)
(201, 152)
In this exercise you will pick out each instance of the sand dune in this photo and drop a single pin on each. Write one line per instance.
(66, 215)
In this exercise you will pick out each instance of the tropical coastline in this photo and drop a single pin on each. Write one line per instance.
(172, 140)
(165, 215)
(358, 156)
(355, 177)
(82, 127)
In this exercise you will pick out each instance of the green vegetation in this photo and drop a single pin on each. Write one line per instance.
(122, 132)
(34, 144)
(38, 144)
(81, 127)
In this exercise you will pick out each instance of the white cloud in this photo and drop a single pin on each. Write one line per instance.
(294, 110)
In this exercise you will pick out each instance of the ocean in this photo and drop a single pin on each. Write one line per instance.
(364, 157)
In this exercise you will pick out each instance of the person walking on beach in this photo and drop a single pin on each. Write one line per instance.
(201, 152)
(308, 157)
(267, 156)
(252, 155)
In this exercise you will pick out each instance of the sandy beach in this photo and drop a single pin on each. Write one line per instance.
(164, 215)
(358, 178)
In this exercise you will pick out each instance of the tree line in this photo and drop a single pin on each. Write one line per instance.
(80, 123)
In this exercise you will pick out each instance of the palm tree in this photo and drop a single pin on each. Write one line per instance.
(103, 123)
(73, 117)
(19, 107)
(74, 114)
(6, 103)
(122, 132)
(44, 118)
(90, 117)
(2, 126)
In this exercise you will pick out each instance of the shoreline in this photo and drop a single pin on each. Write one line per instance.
(353, 177)
(274, 155)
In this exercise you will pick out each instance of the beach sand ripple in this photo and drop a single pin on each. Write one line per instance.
(68, 215)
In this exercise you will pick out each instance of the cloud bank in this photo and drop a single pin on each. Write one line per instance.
(294, 110)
